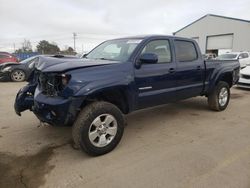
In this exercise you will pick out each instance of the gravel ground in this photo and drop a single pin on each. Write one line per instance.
(176, 145)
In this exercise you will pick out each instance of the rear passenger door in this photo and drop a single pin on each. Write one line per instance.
(190, 69)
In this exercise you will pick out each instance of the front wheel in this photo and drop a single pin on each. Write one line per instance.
(98, 128)
(17, 75)
(219, 98)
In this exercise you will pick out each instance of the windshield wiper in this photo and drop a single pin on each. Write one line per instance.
(102, 58)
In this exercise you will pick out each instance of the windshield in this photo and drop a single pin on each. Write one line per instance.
(28, 60)
(227, 56)
(114, 50)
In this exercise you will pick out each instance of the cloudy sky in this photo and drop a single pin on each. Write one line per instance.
(98, 20)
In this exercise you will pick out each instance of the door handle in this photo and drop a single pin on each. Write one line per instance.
(198, 67)
(171, 70)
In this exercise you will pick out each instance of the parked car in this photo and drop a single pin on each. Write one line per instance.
(243, 57)
(7, 57)
(19, 72)
(244, 80)
(118, 77)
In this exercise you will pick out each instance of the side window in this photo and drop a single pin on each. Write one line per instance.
(245, 55)
(161, 48)
(185, 51)
(241, 56)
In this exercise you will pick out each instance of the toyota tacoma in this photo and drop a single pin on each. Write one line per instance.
(120, 76)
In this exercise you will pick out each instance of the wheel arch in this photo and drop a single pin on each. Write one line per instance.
(115, 95)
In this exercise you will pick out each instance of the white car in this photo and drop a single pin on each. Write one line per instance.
(243, 57)
(244, 80)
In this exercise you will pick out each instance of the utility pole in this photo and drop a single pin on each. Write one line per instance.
(14, 45)
(74, 37)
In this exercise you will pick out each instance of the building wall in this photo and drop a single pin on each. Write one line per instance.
(211, 25)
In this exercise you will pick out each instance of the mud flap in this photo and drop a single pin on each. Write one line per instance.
(25, 98)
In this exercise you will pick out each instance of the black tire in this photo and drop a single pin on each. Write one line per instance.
(213, 98)
(81, 127)
(18, 75)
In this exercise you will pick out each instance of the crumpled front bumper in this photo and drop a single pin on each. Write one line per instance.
(24, 99)
(52, 110)
(56, 111)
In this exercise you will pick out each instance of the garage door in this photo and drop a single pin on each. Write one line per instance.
(220, 42)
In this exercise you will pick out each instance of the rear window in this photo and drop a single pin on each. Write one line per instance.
(185, 51)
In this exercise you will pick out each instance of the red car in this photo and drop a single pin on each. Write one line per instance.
(7, 57)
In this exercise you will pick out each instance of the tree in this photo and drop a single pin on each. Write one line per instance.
(44, 47)
(26, 47)
(68, 51)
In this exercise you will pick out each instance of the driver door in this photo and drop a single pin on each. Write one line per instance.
(156, 82)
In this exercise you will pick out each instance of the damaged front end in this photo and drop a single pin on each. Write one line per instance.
(25, 98)
(49, 98)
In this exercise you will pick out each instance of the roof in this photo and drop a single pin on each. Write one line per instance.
(214, 15)
(142, 37)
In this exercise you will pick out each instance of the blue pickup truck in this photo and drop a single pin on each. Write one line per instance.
(118, 77)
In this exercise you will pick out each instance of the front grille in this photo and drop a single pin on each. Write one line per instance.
(245, 76)
(50, 84)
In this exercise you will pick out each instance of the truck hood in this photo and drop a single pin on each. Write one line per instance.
(48, 64)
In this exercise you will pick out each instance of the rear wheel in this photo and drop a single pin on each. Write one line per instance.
(17, 75)
(98, 128)
(219, 98)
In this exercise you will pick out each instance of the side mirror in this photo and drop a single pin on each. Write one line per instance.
(149, 58)
(84, 55)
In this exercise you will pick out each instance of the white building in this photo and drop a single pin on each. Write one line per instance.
(218, 34)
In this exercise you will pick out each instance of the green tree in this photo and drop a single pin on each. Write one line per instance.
(68, 51)
(44, 47)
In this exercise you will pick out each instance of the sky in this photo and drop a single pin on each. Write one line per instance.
(97, 20)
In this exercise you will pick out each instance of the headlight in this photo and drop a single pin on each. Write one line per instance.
(6, 69)
(65, 79)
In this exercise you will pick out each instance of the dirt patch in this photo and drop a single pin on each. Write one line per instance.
(5, 127)
(194, 114)
(26, 171)
(236, 95)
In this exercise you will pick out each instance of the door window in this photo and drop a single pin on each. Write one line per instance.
(185, 51)
(161, 48)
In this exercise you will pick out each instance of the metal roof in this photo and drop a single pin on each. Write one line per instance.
(214, 15)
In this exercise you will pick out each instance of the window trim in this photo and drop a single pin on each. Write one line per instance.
(170, 48)
(182, 40)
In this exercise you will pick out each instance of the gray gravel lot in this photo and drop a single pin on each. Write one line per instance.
(176, 145)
